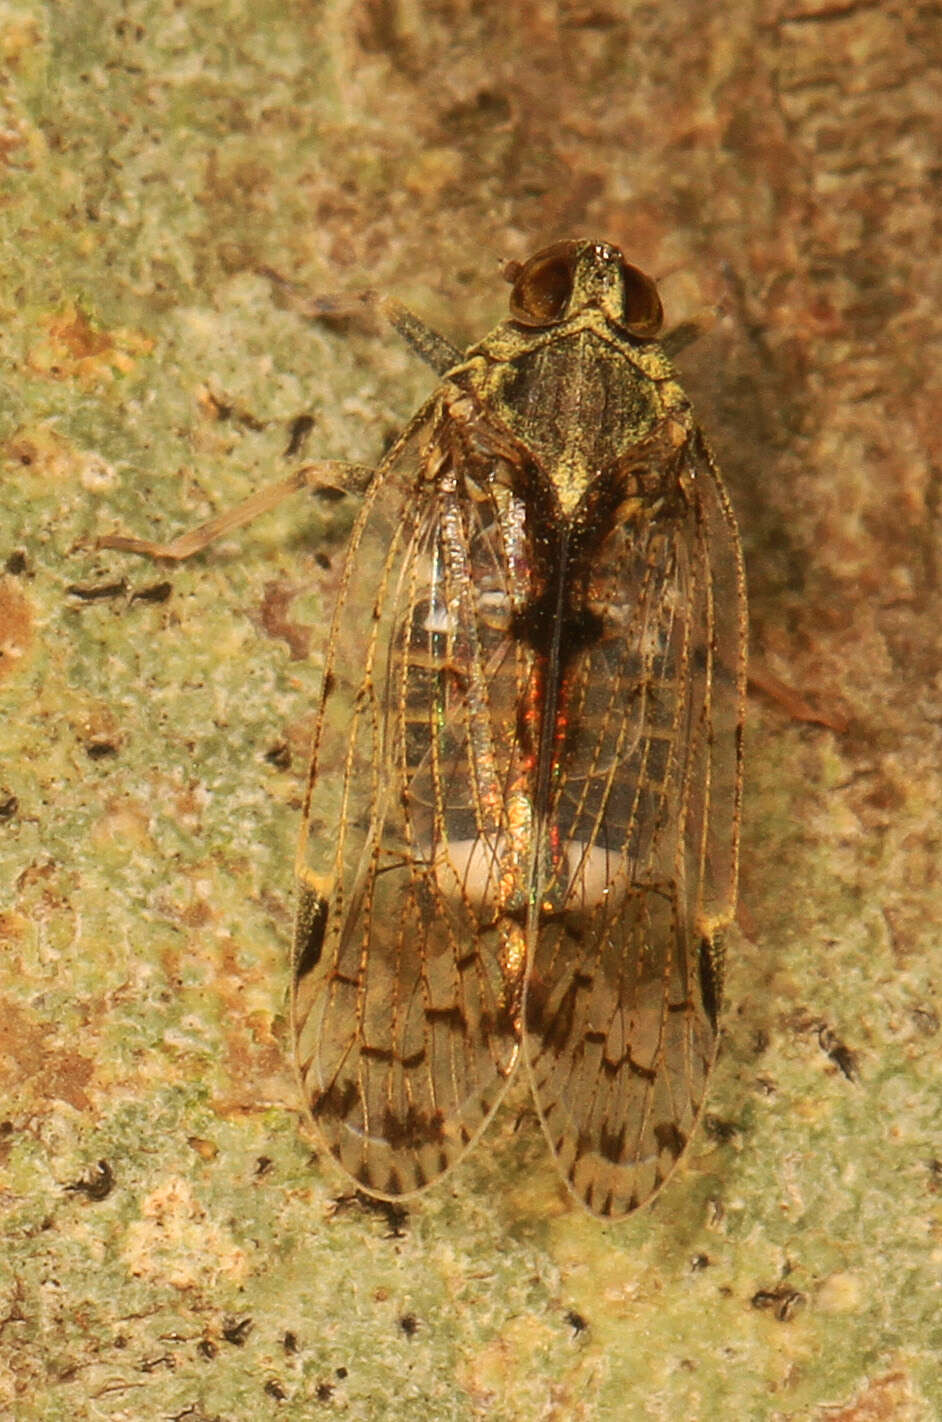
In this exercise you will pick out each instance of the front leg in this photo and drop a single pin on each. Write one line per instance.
(326, 473)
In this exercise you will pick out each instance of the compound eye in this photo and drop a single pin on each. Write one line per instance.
(543, 285)
(643, 313)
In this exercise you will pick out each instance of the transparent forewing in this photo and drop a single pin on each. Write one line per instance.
(409, 961)
(638, 861)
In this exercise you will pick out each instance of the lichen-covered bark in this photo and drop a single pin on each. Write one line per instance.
(771, 165)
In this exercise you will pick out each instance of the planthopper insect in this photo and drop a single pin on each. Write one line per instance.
(521, 826)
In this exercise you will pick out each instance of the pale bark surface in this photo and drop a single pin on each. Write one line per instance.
(773, 166)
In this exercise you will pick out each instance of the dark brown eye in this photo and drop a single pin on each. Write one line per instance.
(543, 285)
(643, 312)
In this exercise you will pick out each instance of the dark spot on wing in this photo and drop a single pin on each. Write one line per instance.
(612, 1143)
(670, 1138)
(451, 1016)
(557, 1031)
(377, 1054)
(338, 1101)
(309, 932)
(415, 1128)
(710, 966)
